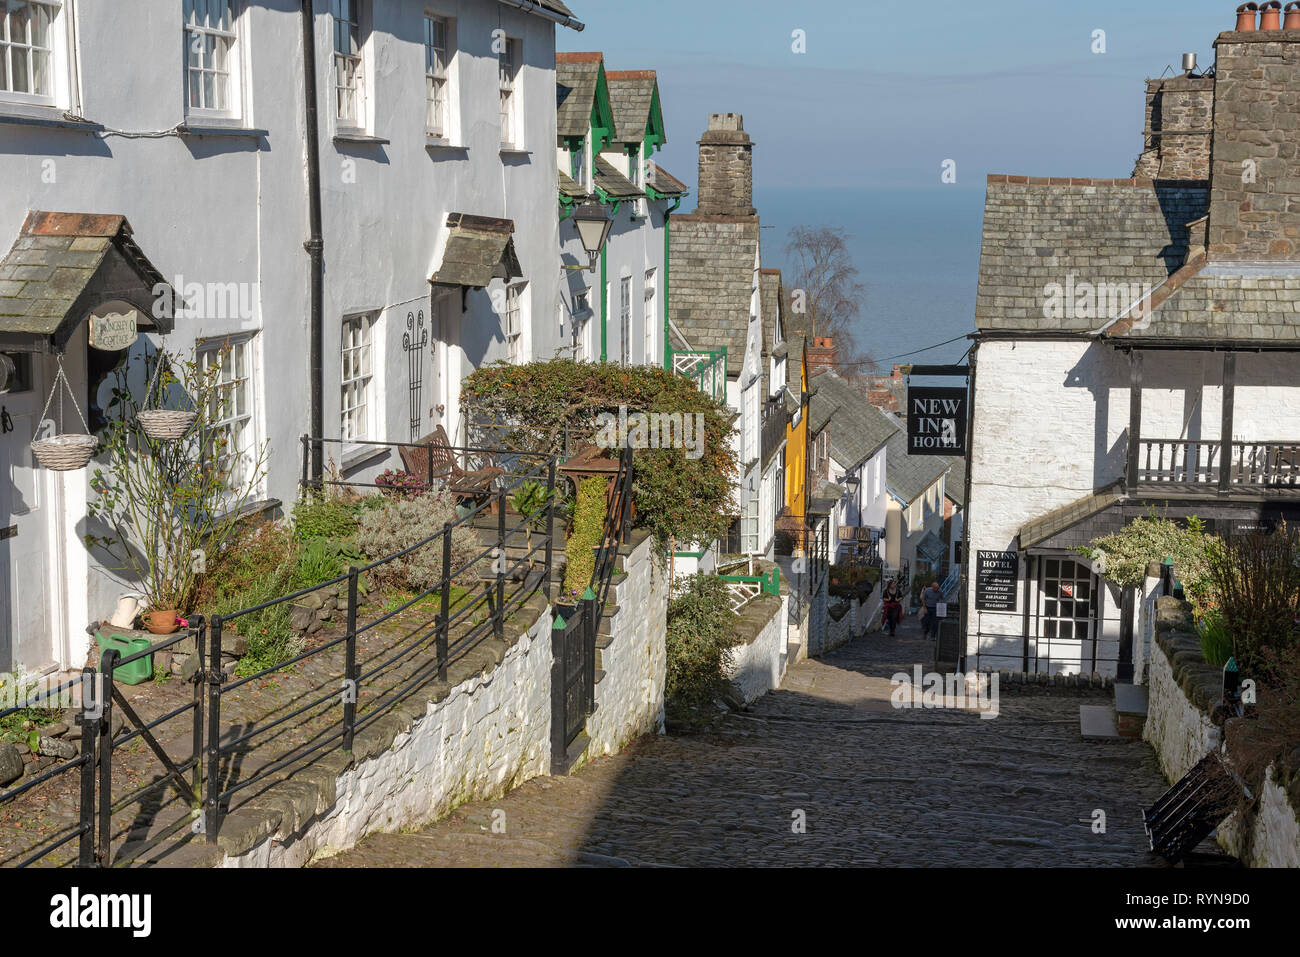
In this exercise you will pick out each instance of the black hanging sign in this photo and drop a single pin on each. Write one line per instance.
(996, 574)
(936, 421)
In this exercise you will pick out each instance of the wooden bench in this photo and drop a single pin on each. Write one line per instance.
(434, 459)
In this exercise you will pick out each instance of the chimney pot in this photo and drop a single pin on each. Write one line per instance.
(1189, 62)
(1270, 15)
(1292, 16)
(1246, 14)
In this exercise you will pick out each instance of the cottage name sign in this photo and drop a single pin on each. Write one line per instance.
(996, 574)
(936, 421)
(112, 332)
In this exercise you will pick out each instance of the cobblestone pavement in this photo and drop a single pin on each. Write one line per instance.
(876, 786)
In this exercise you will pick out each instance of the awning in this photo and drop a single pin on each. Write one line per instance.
(478, 250)
(1076, 513)
(62, 267)
(932, 548)
(613, 183)
(569, 187)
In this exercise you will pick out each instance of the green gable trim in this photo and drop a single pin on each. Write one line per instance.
(602, 115)
(655, 136)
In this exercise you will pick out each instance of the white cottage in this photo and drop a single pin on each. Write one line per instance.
(352, 292)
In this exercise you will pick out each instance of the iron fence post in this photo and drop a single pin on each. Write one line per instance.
(213, 679)
(499, 617)
(428, 451)
(86, 809)
(200, 649)
(550, 525)
(350, 663)
(306, 460)
(106, 665)
(589, 649)
(446, 602)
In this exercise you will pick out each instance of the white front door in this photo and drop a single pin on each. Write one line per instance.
(449, 364)
(28, 561)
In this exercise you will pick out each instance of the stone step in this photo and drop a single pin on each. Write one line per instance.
(1097, 723)
(1130, 709)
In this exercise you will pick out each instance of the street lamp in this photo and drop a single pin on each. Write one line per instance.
(593, 223)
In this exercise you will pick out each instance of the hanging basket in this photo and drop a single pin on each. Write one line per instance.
(165, 424)
(64, 453)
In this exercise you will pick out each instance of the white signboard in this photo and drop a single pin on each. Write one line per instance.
(112, 332)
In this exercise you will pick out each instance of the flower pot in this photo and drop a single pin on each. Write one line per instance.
(162, 622)
(165, 424)
(64, 453)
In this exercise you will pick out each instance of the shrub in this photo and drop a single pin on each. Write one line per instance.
(1216, 638)
(584, 536)
(700, 638)
(1127, 554)
(320, 516)
(406, 522)
(401, 484)
(1256, 579)
(323, 560)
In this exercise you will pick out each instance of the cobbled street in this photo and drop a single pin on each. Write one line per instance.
(876, 786)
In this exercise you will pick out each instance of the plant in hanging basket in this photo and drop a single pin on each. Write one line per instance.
(165, 424)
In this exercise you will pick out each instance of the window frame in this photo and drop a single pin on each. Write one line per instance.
(359, 36)
(625, 318)
(445, 129)
(650, 309)
(508, 88)
(363, 354)
(245, 343)
(512, 321)
(59, 53)
(234, 73)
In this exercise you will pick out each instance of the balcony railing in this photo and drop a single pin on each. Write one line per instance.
(775, 419)
(1250, 465)
(707, 369)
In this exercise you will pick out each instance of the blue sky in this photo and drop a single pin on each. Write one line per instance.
(888, 90)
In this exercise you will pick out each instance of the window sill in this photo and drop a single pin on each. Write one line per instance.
(364, 139)
(356, 456)
(47, 117)
(514, 151)
(434, 142)
(213, 128)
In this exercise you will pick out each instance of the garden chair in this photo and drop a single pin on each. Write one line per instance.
(433, 458)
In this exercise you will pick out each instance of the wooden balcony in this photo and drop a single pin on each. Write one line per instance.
(1201, 467)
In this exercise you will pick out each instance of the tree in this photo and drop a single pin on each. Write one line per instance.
(825, 295)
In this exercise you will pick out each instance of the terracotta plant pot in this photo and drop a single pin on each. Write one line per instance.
(162, 622)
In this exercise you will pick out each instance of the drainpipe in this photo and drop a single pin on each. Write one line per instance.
(315, 245)
(668, 219)
(604, 304)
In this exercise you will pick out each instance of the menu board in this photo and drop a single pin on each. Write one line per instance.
(996, 575)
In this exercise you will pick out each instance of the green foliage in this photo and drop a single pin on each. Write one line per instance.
(677, 497)
(584, 535)
(322, 560)
(1256, 579)
(1216, 638)
(1153, 539)
(322, 516)
(15, 690)
(531, 501)
(701, 634)
(404, 523)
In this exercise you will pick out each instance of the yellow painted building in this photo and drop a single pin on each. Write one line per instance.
(796, 435)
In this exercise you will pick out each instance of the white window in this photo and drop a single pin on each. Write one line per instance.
(625, 317)
(232, 408)
(358, 378)
(514, 321)
(349, 64)
(29, 50)
(651, 297)
(508, 70)
(636, 163)
(212, 56)
(437, 73)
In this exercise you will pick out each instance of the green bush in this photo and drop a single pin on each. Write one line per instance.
(320, 516)
(584, 536)
(1128, 552)
(701, 634)
(1256, 579)
(403, 523)
(322, 560)
(1216, 638)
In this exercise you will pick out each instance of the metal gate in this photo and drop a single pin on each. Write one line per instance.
(573, 673)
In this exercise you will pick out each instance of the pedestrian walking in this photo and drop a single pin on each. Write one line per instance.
(892, 611)
(930, 604)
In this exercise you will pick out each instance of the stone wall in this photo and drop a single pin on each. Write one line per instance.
(726, 185)
(1182, 109)
(755, 666)
(848, 618)
(630, 697)
(1182, 692)
(818, 618)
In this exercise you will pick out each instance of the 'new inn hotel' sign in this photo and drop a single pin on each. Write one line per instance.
(936, 421)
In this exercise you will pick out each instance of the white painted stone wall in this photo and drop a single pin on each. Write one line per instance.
(491, 734)
(1274, 841)
(630, 699)
(755, 667)
(1181, 733)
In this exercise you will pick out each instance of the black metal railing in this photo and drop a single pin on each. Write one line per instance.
(220, 750)
(775, 418)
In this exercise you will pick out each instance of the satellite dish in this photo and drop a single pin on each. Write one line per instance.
(7, 372)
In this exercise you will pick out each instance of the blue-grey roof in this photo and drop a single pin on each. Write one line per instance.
(857, 428)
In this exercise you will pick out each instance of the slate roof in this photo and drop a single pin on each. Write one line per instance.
(712, 260)
(576, 77)
(612, 182)
(773, 311)
(665, 183)
(478, 250)
(857, 428)
(794, 365)
(908, 476)
(1040, 231)
(955, 487)
(1237, 301)
(631, 93)
(932, 548)
(569, 187)
(555, 6)
(1053, 523)
(64, 264)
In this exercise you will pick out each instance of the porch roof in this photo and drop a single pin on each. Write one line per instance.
(479, 249)
(64, 264)
(1063, 519)
(665, 183)
(613, 183)
(931, 548)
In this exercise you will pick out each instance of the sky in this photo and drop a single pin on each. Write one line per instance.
(855, 132)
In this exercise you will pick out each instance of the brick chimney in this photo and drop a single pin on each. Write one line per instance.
(1255, 178)
(821, 355)
(726, 186)
(1179, 114)
(883, 391)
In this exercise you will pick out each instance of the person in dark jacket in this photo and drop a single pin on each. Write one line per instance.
(892, 611)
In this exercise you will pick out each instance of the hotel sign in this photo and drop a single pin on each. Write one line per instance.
(996, 575)
(936, 421)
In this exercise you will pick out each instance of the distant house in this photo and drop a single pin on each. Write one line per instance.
(915, 523)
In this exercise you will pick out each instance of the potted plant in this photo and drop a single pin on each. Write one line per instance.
(161, 506)
(531, 502)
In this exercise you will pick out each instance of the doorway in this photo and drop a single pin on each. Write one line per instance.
(448, 364)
